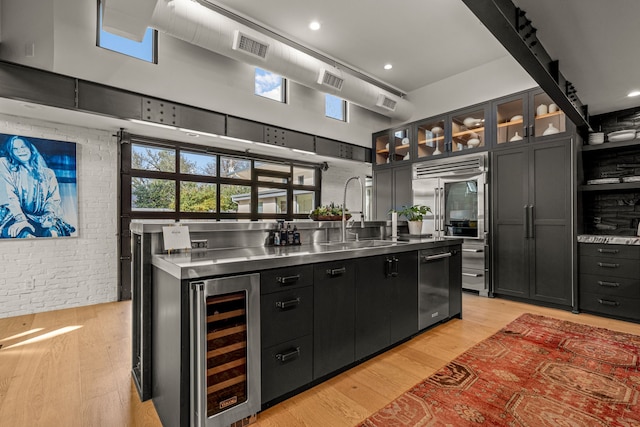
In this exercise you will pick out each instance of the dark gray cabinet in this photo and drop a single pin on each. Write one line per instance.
(391, 190)
(286, 324)
(532, 236)
(610, 280)
(333, 316)
(386, 301)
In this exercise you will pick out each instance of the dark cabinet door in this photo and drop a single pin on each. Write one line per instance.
(550, 216)
(334, 319)
(372, 302)
(510, 196)
(403, 303)
(391, 190)
(382, 193)
(455, 282)
(402, 194)
(532, 222)
(386, 301)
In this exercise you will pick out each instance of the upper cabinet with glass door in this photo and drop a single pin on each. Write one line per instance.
(468, 129)
(526, 117)
(392, 146)
(430, 138)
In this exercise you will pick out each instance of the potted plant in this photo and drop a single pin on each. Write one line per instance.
(414, 215)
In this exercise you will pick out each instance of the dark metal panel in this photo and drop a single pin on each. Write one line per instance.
(507, 23)
(113, 102)
(43, 87)
(160, 111)
(327, 147)
(201, 120)
(245, 129)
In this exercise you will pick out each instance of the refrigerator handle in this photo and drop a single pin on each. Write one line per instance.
(526, 221)
(442, 210)
(437, 223)
(531, 227)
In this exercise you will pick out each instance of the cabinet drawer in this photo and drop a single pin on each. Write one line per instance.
(616, 286)
(610, 251)
(473, 257)
(606, 266)
(286, 315)
(286, 367)
(473, 279)
(614, 306)
(286, 278)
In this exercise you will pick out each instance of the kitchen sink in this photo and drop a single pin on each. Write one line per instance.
(362, 244)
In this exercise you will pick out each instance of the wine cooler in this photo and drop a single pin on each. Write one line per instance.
(225, 343)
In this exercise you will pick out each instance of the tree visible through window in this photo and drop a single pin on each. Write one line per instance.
(174, 181)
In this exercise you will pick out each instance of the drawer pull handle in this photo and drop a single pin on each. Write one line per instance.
(608, 265)
(290, 355)
(610, 303)
(608, 251)
(473, 250)
(285, 305)
(436, 256)
(287, 280)
(336, 271)
(472, 274)
(609, 284)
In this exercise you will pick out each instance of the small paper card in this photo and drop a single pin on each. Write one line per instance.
(176, 237)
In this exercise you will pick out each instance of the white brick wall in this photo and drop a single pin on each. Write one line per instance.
(50, 274)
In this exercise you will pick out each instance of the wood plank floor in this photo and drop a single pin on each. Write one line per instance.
(72, 368)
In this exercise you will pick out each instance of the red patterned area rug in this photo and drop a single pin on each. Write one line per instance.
(537, 371)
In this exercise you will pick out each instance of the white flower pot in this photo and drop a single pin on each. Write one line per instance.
(415, 227)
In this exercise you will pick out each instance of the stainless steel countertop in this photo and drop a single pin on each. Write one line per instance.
(218, 262)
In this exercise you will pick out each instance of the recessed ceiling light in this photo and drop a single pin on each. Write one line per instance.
(634, 93)
(314, 25)
(388, 66)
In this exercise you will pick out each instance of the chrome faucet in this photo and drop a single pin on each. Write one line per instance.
(344, 207)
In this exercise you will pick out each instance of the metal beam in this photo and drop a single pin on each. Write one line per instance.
(517, 34)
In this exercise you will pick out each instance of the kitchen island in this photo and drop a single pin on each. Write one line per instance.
(311, 311)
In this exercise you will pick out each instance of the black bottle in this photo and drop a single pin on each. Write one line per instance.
(296, 236)
(283, 234)
(289, 235)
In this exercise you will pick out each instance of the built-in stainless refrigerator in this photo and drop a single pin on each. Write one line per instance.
(456, 191)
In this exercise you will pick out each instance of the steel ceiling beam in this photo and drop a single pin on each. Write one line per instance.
(518, 35)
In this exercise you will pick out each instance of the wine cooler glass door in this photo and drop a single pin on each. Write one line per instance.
(226, 345)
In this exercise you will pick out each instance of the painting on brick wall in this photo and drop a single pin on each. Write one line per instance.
(38, 188)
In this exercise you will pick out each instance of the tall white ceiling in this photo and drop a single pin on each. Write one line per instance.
(595, 41)
(425, 40)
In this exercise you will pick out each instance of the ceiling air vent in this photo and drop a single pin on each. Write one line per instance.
(328, 78)
(386, 102)
(249, 45)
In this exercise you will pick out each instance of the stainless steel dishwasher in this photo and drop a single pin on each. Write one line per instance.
(433, 286)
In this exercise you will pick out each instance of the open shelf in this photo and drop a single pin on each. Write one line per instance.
(544, 116)
(611, 145)
(609, 187)
(515, 122)
(467, 132)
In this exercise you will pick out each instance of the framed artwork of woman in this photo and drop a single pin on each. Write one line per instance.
(38, 188)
